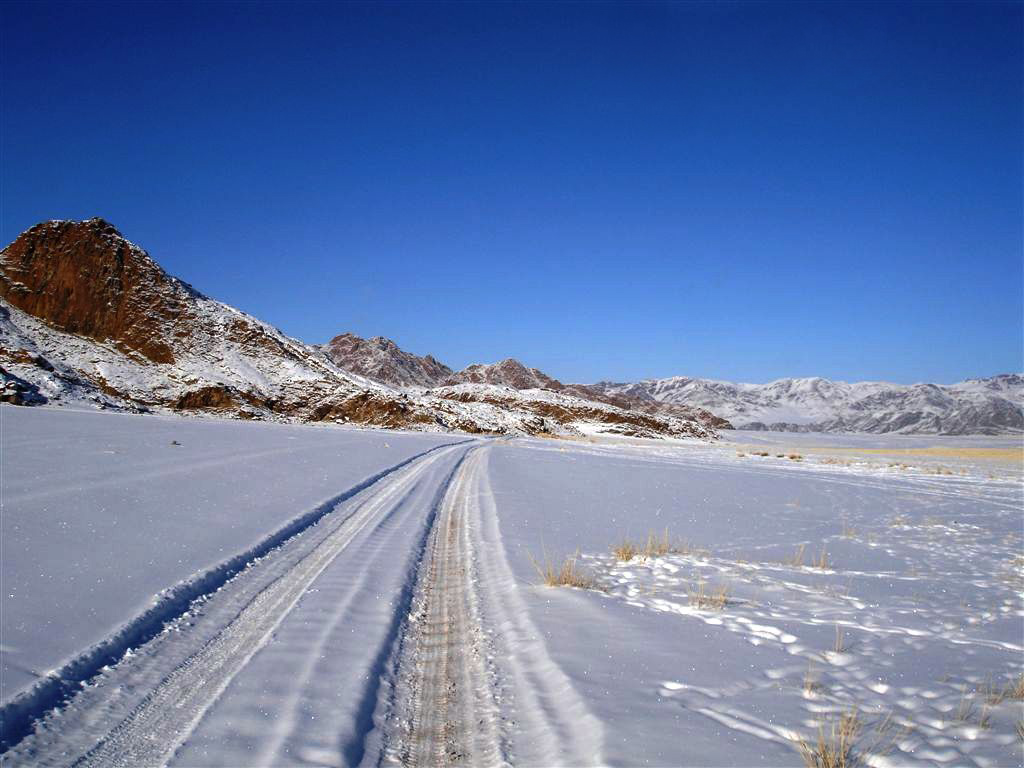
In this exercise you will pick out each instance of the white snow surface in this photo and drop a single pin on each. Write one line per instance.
(101, 511)
(916, 619)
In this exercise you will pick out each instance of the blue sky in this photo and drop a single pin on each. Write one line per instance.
(738, 191)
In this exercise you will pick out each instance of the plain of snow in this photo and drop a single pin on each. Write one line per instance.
(102, 511)
(298, 659)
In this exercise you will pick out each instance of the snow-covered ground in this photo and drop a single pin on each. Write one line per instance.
(408, 624)
(102, 511)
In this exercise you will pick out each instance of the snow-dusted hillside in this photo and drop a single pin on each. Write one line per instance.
(977, 406)
(88, 318)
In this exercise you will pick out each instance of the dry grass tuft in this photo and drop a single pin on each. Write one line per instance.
(965, 709)
(1014, 690)
(703, 600)
(1020, 731)
(835, 746)
(797, 558)
(760, 453)
(626, 550)
(656, 545)
(822, 560)
(839, 646)
(812, 686)
(794, 457)
(568, 574)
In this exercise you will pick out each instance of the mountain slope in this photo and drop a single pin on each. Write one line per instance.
(87, 317)
(382, 360)
(978, 406)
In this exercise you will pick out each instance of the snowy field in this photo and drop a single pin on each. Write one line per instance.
(400, 619)
(102, 511)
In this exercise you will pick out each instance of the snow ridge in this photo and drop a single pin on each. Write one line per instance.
(977, 406)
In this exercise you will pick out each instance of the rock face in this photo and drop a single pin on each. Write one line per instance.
(507, 373)
(84, 278)
(381, 359)
(989, 406)
(86, 317)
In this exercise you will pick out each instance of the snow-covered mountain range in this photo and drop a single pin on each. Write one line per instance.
(87, 317)
(977, 406)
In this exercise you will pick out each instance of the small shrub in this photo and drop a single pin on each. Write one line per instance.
(794, 457)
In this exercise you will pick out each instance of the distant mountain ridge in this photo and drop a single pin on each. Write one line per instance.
(382, 360)
(88, 318)
(990, 406)
(507, 373)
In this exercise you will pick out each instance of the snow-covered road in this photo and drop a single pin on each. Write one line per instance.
(401, 622)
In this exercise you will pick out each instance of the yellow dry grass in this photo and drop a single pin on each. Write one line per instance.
(704, 600)
(566, 574)
(836, 744)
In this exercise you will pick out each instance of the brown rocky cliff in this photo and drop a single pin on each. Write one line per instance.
(85, 278)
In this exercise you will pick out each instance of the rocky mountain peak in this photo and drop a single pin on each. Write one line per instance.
(85, 278)
(507, 373)
(382, 360)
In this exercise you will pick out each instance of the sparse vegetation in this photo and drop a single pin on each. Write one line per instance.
(835, 746)
(1020, 731)
(625, 551)
(812, 686)
(840, 644)
(797, 558)
(1014, 690)
(656, 545)
(567, 574)
(760, 453)
(965, 709)
(702, 599)
(794, 457)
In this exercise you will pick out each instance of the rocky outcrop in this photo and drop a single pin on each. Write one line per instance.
(84, 278)
(380, 359)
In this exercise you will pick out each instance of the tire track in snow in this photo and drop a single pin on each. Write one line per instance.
(157, 726)
(473, 683)
(54, 690)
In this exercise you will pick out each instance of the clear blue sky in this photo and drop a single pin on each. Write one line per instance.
(739, 191)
